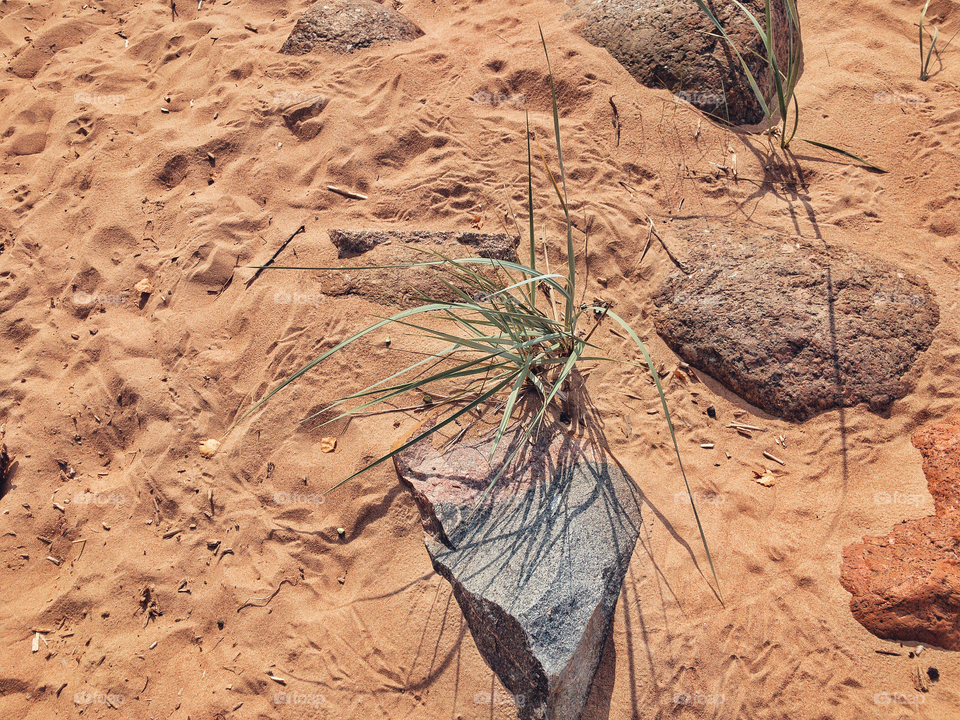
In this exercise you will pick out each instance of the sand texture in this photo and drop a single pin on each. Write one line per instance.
(138, 573)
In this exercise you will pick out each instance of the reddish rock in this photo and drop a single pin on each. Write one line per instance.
(940, 446)
(906, 586)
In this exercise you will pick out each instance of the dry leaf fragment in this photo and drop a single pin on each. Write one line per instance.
(765, 478)
(144, 286)
(477, 222)
(208, 448)
(328, 444)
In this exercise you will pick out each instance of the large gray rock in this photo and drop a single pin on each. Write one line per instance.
(672, 44)
(538, 568)
(346, 25)
(793, 327)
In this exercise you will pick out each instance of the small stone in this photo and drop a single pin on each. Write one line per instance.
(328, 444)
(208, 448)
(144, 287)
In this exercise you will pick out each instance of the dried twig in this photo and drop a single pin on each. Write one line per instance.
(267, 599)
(286, 242)
(346, 193)
(616, 119)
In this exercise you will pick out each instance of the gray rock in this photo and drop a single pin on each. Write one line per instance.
(537, 569)
(672, 44)
(346, 25)
(796, 328)
(407, 286)
(350, 243)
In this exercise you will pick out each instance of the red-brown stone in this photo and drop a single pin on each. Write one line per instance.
(906, 586)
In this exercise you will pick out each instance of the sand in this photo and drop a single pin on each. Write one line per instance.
(266, 611)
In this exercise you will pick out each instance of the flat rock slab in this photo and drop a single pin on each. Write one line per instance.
(537, 569)
(672, 44)
(343, 26)
(350, 243)
(793, 327)
(404, 286)
(906, 586)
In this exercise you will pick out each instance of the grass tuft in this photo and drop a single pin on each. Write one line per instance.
(784, 78)
(500, 345)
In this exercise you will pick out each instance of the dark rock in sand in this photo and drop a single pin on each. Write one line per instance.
(793, 327)
(906, 586)
(346, 25)
(350, 243)
(405, 286)
(538, 568)
(672, 44)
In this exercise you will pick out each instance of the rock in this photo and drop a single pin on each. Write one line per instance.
(403, 286)
(350, 243)
(343, 26)
(537, 569)
(940, 446)
(672, 44)
(793, 327)
(906, 586)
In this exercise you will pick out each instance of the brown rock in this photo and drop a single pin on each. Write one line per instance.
(347, 25)
(406, 286)
(906, 586)
(672, 44)
(793, 327)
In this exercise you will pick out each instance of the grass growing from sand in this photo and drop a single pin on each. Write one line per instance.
(785, 77)
(926, 60)
(503, 343)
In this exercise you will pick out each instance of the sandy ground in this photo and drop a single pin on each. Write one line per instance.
(105, 394)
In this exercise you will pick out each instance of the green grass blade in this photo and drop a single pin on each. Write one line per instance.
(533, 234)
(571, 258)
(831, 148)
(409, 443)
(673, 436)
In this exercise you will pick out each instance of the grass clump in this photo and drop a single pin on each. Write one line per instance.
(503, 342)
(785, 77)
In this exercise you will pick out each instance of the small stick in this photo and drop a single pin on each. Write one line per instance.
(647, 246)
(267, 599)
(670, 254)
(84, 541)
(616, 119)
(741, 426)
(772, 457)
(269, 262)
(346, 193)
